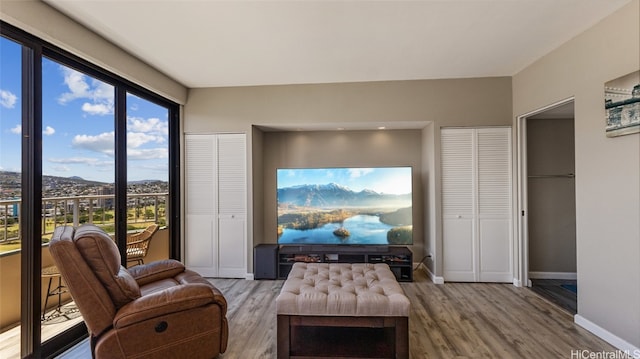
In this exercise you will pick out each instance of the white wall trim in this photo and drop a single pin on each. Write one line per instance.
(553, 275)
(623, 345)
(435, 279)
(249, 276)
(517, 282)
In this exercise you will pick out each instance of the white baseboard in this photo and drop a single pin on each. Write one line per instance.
(434, 279)
(624, 346)
(249, 276)
(517, 282)
(553, 275)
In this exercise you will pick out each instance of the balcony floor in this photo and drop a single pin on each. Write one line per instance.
(54, 324)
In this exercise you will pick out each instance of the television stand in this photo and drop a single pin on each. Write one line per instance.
(399, 259)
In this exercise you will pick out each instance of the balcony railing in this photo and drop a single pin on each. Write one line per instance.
(76, 210)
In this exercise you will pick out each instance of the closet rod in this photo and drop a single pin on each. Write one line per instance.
(568, 175)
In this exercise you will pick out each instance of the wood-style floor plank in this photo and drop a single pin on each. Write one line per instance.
(453, 320)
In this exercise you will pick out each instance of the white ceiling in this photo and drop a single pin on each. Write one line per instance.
(206, 43)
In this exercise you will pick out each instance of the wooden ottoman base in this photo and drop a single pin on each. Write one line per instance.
(348, 337)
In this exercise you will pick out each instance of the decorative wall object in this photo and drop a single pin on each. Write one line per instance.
(622, 105)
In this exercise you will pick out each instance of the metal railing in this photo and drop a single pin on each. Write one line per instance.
(76, 210)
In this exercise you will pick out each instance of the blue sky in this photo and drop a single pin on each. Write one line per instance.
(389, 180)
(78, 124)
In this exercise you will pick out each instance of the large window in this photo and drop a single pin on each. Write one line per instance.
(77, 145)
(10, 189)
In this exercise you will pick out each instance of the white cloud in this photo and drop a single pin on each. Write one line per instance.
(359, 172)
(75, 160)
(48, 131)
(17, 130)
(97, 108)
(77, 85)
(8, 99)
(66, 164)
(147, 154)
(137, 139)
(62, 169)
(106, 164)
(151, 125)
(159, 167)
(103, 143)
(81, 86)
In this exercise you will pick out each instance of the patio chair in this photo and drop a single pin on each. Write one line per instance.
(138, 244)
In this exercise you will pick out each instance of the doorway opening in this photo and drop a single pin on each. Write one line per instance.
(548, 203)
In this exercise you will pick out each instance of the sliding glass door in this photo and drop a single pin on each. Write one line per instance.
(77, 145)
(77, 171)
(147, 180)
(10, 193)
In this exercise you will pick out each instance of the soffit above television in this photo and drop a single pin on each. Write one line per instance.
(344, 126)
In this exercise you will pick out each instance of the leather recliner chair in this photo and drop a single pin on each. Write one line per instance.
(159, 310)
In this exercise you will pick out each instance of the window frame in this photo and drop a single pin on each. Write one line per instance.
(34, 50)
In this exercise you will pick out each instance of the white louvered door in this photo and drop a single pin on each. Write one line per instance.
(458, 204)
(215, 231)
(476, 204)
(201, 249)
(494, 204)
(232, 206)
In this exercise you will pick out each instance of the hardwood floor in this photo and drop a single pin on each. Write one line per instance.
(453, 320)
(558, 291)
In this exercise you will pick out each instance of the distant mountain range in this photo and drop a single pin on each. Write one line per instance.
(7, 178)
(52, 186)
(13, 178)
(333, 195)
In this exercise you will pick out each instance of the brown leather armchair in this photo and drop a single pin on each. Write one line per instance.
(159, 310)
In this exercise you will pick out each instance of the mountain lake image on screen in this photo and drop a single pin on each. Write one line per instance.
(344, 206)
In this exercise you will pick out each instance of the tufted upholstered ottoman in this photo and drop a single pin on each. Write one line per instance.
(342, 309)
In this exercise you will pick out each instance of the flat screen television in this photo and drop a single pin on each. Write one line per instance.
(344, 206)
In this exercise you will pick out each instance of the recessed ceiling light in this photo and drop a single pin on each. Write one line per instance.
(381, 128)
(340, 128)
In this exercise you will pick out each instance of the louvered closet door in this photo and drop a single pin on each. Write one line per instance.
(476, 204)
(232, 206)
(458, 204)
(216, 219)
(201, 247)
(494, 205)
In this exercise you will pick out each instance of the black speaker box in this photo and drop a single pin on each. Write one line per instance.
(265, 261)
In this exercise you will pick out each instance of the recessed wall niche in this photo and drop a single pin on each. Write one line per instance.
(346, 148)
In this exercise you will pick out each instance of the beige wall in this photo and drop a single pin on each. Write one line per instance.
(607, 169)
(422, 105)
(456, 102)
(41, 20)
(430, 201)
